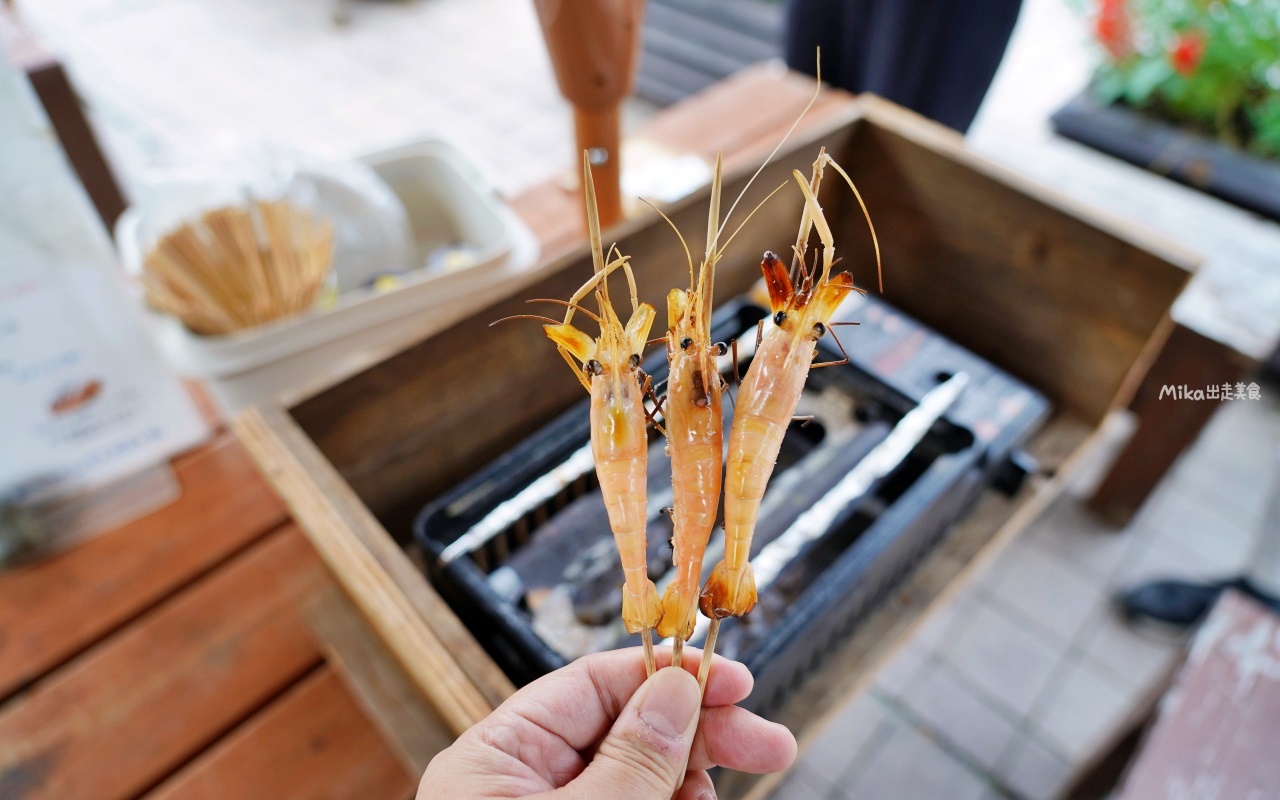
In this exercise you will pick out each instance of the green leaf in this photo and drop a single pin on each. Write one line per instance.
(1228, 90)
(1108, 86)
(1144, 78)
(1265, 119)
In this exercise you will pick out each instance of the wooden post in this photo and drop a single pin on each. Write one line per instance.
(597, 132)
(1166, 425)
(593, 47)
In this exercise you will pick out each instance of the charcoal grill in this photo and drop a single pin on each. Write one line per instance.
(523, 554)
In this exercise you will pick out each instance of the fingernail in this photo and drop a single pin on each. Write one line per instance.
(670, 702)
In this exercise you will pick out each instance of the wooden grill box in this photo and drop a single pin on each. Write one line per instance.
(1071, 303)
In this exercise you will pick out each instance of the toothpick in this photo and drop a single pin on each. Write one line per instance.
(234, 268)
(647, 636)
(677, 652)
(704, 669)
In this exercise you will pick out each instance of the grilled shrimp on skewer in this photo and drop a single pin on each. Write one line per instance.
(610, 370)
(802, 306)
(694, 428)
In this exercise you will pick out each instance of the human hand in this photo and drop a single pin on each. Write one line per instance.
(598, 729)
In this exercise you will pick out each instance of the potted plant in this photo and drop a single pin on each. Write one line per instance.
(1188, 88)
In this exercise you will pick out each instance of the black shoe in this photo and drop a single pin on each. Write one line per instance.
(1183, 603)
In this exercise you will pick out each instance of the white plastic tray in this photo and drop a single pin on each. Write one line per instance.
(447, 201)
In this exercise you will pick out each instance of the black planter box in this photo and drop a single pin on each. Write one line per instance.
(1187, 157)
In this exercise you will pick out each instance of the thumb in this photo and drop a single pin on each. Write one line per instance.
(645, 753)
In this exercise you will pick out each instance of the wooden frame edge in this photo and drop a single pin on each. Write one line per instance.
(362, 564)
(926, 132)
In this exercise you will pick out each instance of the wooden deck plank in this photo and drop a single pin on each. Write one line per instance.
(409, 725)
(53, 609)
(131, 711)
(1216, 729)
(378, 576)
(314, 743)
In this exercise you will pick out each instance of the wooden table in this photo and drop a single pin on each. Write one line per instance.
(182, 655)
(173, 657)
(1216, 730)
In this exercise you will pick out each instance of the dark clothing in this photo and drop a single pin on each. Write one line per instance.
(934, 56)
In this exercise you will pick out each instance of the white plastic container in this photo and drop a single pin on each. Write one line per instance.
(448, 203)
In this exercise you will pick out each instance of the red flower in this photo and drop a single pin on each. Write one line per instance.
(1111, 26)
(1187, 52)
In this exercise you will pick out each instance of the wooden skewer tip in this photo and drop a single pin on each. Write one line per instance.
(708, 653)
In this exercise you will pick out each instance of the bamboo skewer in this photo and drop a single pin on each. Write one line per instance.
(647, 636)
(235, 267)
(708, 652)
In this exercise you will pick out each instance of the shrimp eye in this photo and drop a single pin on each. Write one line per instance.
(594, 367)
(685, 343)
(819, 330)
(721, 348)
(779, 318)
(634, 361)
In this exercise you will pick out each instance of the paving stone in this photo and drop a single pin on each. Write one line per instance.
(831, 754)
(1033, 582)
(1132, 657)
(799, 785)
(904, 670)
(954, 712)
(1004, 658)
(910, 765)
(1080, 710)
(1031, 770)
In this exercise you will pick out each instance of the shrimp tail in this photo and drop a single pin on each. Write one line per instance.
(729, 592)
(679, 612)
(640, 612)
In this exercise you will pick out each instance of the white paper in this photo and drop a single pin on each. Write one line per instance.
(83, 399)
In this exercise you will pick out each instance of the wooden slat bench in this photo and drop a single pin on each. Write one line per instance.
(52, 610)
(174, 658)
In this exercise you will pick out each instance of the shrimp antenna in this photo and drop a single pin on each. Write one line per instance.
(525, 316)
(622, 261)
(688, 256)
(592, 283)
(798, 267)
(593, 230)
(713, 213)
(706, 274)
(573, 365)
(874, 240)
(817, 89)
(819, 221)
(566, 304)
(743, 224)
